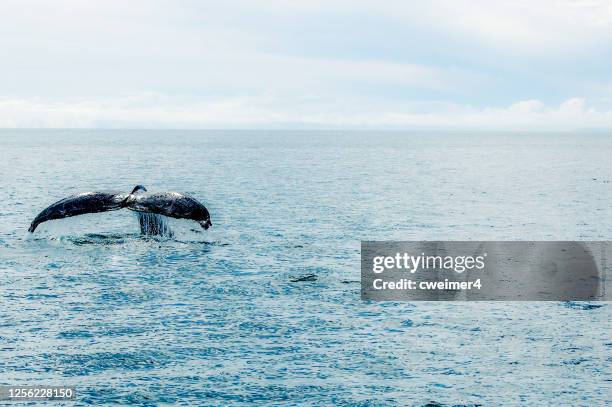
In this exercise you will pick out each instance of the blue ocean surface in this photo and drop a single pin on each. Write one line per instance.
(217, 317)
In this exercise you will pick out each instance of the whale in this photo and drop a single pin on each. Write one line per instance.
(148, 207)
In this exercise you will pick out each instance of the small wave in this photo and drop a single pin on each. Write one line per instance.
(586, 306)
(119, 239)
(100, 239)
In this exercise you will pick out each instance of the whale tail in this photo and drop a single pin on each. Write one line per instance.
(149, 206)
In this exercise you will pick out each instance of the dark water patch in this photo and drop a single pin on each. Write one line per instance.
(29, 364)
(119, 331)
(585, 306)
(75, 335)
(258, 327)
(100, 239)
(205, 352)
(115, 296)
(87, 364)
(304, 278)
(130, 394)
(265, 395)
(40, 296)
(368, 314)
(444, 371)
(576, 361)
(103, 332)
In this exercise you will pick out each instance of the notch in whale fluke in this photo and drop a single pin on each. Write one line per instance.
(138, 188)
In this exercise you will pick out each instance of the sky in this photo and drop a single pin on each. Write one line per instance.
(355, 64)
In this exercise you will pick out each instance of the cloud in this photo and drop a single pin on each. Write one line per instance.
(159, 111)
(241, 63)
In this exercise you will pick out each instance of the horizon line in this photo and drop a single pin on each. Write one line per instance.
(316, 129)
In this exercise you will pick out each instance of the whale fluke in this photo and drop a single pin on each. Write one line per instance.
(88, 202)
(172, 204)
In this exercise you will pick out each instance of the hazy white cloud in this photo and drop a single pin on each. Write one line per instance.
(153, 110)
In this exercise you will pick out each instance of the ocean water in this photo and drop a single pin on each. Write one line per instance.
(217, 317)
